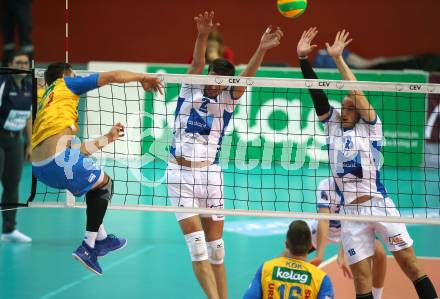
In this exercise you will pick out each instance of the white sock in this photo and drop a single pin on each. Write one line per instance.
(90, 238)
(377, 293)
(102, 234)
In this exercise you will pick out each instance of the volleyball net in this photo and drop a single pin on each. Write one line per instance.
(273, 153)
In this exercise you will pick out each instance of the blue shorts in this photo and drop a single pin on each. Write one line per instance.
(69, 170)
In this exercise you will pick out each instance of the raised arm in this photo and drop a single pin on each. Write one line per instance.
(304, 48)
(204, 27)
(366, 111)
(270, 39)
(148, 82)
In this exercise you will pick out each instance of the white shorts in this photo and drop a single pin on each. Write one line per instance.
(358, 236)
(195, 188)
(334, 235)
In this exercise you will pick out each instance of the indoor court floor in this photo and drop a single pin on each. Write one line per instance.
(156, 263)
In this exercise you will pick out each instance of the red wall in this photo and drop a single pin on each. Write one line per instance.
(164, 31)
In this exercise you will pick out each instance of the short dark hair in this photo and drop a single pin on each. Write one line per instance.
(222, 67)
(20, 53)
(55, 71)
(299, 238)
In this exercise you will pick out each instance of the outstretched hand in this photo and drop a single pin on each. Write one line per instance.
(341, 41)
(115, 132)
(305, 47)
(205, 24)
(270, 38)
(152, 83)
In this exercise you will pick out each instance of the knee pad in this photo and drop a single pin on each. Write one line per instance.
(216, 251)
(197, 246)
(104, 193)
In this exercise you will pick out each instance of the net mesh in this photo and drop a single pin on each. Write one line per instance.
(274, 151)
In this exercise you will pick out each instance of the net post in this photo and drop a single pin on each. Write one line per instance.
(34, 115)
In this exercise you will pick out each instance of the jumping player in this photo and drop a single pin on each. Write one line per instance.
(194, 177)
(354, 143)
(60, 160)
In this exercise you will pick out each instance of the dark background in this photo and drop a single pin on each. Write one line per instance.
(164, 31)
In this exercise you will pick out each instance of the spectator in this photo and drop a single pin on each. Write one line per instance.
(16, 14)
(215, 48)
(15, 111)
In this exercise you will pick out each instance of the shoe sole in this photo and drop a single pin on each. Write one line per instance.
(85, 265)
(117, 249)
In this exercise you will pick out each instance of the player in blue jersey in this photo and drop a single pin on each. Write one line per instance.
(354, 139)
(291, 276)
(194, 177)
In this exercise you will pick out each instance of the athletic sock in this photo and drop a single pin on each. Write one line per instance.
(102, 234)
(424, 288)
(377, 293)
(90, 238)
(365, 296)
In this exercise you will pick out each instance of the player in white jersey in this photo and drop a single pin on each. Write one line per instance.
(323, 231)
(354, 141)
(194, 178)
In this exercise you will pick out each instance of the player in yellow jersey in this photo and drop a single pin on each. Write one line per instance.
(291, 276)
(61, 161)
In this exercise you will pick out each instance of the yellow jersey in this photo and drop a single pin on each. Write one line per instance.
(40, 94)
(288, 278)
(58, 107)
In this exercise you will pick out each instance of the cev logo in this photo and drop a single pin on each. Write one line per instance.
(234, 80)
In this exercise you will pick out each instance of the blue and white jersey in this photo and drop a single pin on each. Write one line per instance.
(355, 158)
(200, 123)
(326, 197)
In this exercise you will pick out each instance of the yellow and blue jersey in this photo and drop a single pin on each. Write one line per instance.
(57, 110)
(58, 107)
(287, 278)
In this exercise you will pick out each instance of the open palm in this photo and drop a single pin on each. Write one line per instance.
(205, 23)
(271, 39)
(305, 47)
(341, 41)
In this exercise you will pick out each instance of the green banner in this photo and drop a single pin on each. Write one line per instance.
(279, 125)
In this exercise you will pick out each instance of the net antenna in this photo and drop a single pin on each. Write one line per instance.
(287, 187)
(66, 39)
(70, 199)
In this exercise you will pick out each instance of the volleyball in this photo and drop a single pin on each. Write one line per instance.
(292, 8)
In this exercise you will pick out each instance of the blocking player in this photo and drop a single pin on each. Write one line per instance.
(194, 178)
(354, 143)
(323, 231)
(291, 276)
(61, 161)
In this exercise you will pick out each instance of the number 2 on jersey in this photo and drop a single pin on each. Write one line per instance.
(204, 107)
